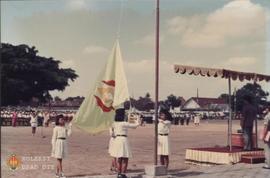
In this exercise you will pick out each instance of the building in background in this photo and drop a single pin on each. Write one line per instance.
(205, 104)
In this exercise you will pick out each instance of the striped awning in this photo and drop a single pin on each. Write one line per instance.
(223, 73)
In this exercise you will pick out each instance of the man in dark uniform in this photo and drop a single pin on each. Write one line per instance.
(249, 113)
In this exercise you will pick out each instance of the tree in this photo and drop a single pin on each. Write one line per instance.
(147, 95)
(253, 90)
(57, 98)
(173, 101)
(144, 103)
(76, 98)
(26, 75)
(226, 98)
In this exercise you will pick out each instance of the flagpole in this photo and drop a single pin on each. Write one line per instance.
(156, 82)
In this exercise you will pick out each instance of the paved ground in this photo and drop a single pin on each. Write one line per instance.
(235, 171)
(222, 171)
(88, 154)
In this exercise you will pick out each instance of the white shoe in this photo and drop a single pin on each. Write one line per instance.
(57, 175)
(61, 175)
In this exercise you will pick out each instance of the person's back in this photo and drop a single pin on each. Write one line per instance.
(249, 115)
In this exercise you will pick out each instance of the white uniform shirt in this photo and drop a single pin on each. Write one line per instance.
(121, 128)
(33, 121)
(61, 132)
(164, 127)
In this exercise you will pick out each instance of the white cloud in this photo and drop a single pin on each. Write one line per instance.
(246, 64)
(146, 67)
(149, 40)
(202, 40)
(76, 4)
(179, 24)
(240, 61)
(237, 19)
(142, 73)
(94, 50)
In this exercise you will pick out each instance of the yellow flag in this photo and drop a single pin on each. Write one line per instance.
(96, 113)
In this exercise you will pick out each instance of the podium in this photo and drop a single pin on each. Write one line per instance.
(238, 140)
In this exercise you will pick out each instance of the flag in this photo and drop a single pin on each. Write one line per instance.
(96, 113)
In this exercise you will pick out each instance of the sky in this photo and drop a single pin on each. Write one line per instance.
(81, 33)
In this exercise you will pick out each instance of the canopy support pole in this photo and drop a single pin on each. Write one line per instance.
(256, 126)
(230, 115)
(256, 132)
(228, 132)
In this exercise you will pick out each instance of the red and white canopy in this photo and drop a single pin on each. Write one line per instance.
(223, 73)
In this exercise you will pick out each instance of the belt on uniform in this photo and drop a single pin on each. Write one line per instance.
(62, 138)
(121, 135)
(163, 134)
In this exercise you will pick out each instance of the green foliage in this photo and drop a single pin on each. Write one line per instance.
(255, 91)
(26, 75)
(226, 98)
(146, 103)
(147, 95)
(142, 103)
(172, 101)
(57, 98)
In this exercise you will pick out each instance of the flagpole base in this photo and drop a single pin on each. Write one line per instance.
(155, 171)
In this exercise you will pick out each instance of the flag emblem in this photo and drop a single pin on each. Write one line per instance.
(104, 98)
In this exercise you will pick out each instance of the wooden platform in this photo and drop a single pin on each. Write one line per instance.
(253, 159)
(217, 155)
(238, 140)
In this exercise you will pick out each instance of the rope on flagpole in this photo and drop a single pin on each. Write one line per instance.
(120, 19)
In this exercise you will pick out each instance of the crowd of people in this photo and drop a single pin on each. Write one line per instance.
(22, 116)
(185, 117)
(25, 117)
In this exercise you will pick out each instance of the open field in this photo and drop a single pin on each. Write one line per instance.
(88, 154)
